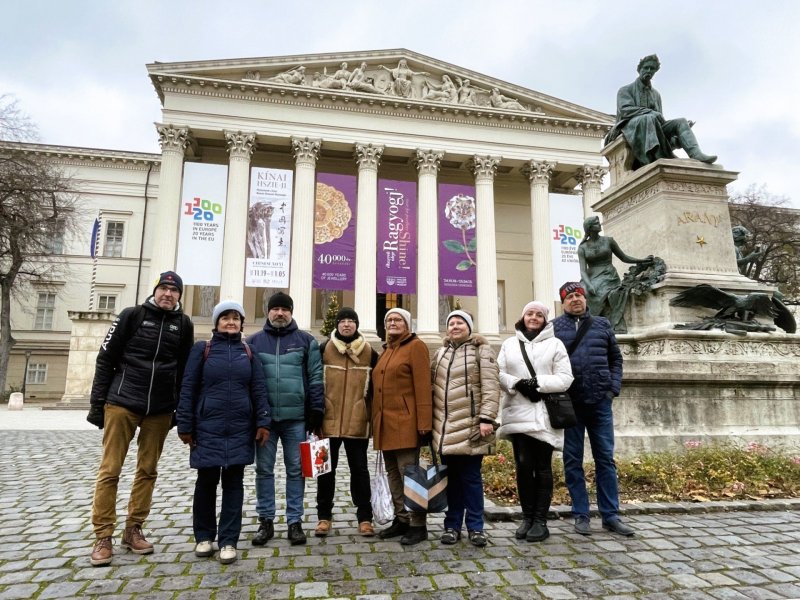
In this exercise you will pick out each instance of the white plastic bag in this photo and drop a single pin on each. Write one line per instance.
(381, 499)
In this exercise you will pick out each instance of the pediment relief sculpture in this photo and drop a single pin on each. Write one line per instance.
(397, 81)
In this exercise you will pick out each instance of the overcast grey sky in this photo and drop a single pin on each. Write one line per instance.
(78, 67)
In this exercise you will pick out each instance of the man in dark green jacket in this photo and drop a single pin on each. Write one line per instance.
(293, 368)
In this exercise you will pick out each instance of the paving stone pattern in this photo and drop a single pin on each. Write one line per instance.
(46, 485)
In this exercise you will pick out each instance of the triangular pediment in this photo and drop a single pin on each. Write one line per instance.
(394, 76)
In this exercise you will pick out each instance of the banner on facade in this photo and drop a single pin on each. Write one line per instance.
(566, 232)
(202, 223)
(397, 237)
(458, 240)
(335, 232)
(269, 228)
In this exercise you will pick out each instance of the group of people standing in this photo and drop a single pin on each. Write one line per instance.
(233, 399)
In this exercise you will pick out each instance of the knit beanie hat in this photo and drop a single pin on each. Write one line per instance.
(461, 315)
(224, 307)
(535, 304)
(569, 287)
(346, 313)
(280, 300)
(403, 313)
(170, 278)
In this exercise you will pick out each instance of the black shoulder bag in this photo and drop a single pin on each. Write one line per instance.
(559, 404)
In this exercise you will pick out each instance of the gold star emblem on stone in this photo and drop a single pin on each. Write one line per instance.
(701, 240)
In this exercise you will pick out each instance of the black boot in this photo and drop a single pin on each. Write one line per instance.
(296, 534)
(692, 148)
(415, 535)
(538, 532)
(266, 531)
(523, 528)
(397, 528)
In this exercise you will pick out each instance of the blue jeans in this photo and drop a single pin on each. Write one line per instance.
(291, 433)
(205, 505)
(464, 492)
(598, 421)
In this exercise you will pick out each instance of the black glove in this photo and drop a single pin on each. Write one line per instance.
(314, 420)
(425, 437)
(527, 387)
(97, 415)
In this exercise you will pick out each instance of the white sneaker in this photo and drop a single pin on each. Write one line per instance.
(227, 554)
(203, 549)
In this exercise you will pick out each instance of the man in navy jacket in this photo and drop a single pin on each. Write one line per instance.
(597, 367)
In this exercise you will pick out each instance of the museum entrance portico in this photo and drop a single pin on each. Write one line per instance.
(378, 116)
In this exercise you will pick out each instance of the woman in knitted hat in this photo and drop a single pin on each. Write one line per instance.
(466, 395)
(524, 417)
(223, 410)
(402, 416)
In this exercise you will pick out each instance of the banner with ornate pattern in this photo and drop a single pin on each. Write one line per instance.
(335, 232)
(458, 240)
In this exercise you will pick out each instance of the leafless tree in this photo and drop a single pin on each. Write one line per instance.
(775, 238)
(36, 211)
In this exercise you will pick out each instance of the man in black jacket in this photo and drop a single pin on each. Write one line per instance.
(136, 380)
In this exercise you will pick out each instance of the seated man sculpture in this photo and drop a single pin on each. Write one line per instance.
(640, 120)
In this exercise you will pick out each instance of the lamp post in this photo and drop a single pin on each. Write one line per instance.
(25, 374)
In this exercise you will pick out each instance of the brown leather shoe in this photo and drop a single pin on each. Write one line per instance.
(103, 552)
(323, 528)
(366, 529)
(133, 540)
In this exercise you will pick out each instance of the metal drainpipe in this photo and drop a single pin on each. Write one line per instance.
(144, 223)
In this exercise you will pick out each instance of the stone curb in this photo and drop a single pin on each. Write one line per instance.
(493, 512)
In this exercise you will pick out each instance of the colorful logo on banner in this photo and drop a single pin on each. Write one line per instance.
(269, 228)
(202, 223)
(458, 240)
(397, 237)
(566, 233)
(335, 232)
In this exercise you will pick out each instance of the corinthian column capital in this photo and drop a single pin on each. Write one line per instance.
(538, 171)
(428, 161)
(589, 175)
(484, 167)
(368, 156)
(173, 138)
(240, 145)
(306, 150)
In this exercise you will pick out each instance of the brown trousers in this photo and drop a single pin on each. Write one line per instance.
(119, 429)
(396, 461)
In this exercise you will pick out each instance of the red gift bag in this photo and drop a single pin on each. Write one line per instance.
(315, 456)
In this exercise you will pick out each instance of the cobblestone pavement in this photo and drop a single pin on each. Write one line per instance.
(46, 484)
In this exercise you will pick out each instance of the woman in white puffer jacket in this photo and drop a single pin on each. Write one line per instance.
(524, 418)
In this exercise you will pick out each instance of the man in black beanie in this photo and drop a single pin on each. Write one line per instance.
(136, 379)
(296, 404)
(347, 361)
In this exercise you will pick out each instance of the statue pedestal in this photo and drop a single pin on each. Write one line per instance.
(89, 328)
(682, 385)
(676, 209)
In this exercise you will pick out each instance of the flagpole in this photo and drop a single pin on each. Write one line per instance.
(95, 249)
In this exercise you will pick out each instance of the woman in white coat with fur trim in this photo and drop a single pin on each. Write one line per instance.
(524, 418)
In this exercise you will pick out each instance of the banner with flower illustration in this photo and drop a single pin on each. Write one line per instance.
(458, 240)
(397, 237)
(335, 232)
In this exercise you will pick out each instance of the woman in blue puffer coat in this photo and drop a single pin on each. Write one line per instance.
(223, 412)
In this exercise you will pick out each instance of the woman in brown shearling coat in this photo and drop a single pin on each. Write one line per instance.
(466, 397)
(401, 416)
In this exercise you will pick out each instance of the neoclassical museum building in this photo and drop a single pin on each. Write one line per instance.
(387, 178)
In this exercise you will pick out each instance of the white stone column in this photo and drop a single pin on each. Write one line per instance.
(427, 163)
(174, 141)
(590, 179)
(539, 173)
(484, 168)
(240, 148)
(368, 158)
(306, 153)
